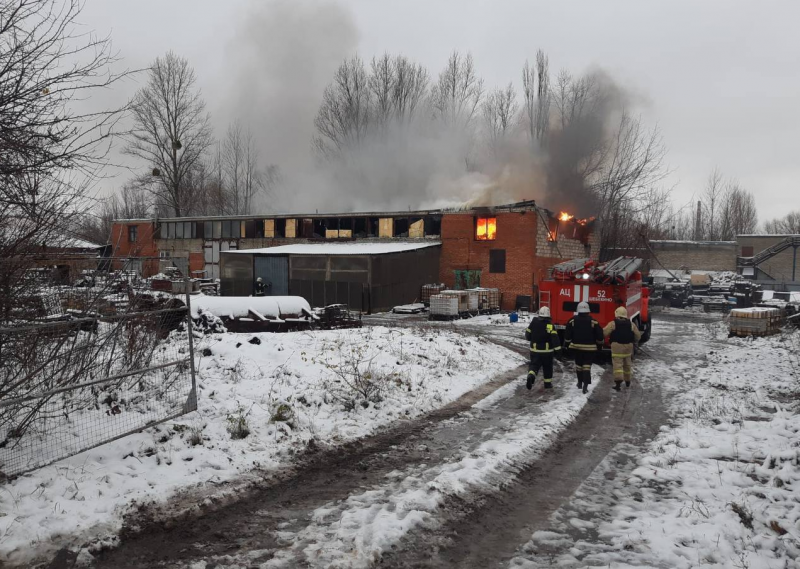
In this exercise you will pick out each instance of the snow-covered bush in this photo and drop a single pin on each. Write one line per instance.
(238, 427)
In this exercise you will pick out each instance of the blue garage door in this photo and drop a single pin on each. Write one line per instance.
(275, 272)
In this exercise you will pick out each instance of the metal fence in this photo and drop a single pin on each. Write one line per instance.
(91, 377)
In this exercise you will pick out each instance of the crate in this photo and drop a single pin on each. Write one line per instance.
(488, 299)
(473, 300)
(430, 290)
(461, 295)
(443, 307)
(755, 321)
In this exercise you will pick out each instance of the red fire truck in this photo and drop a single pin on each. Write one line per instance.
(604, 286)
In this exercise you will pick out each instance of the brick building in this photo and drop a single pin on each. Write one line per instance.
(133, 246)
(509, 247)
(693, 255)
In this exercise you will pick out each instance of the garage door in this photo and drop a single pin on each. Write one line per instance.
(275, 272)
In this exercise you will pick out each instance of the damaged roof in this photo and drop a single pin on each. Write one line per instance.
(339, 248)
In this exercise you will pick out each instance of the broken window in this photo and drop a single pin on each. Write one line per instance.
(208, 230)
(486, 229)
(346, 227)
(133, 233)
(433, 225)
(401, 227)
(217, 230)
(360, 228)
(179, 231)
(497, 261)
(280, 228)
(170, 231)
(249, 228)
(227, 229)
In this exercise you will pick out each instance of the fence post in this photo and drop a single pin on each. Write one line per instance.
(191, 403)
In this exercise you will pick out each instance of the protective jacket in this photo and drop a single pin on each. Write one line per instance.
(543, 336)
(622, 331)
(583, 333)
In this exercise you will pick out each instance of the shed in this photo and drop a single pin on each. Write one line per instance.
(370, 277)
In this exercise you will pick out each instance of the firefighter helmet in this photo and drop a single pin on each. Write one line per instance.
(259, 279)
(544, 312)
(583, 308)
(621, 312)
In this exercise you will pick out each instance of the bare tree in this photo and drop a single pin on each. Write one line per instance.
(343, 117)
(382, 81)
(172, 129)
(737, 214)
(499, 114)
(458, 93)
(536, 94)
(712, 198)
(233, 156)
(632, 166)
(786, 225)
(49, 150)
(410, 88)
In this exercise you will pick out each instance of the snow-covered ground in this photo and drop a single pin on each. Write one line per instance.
(717, 488)
(281, 391)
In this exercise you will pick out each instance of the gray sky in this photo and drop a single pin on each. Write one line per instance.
(719, 77)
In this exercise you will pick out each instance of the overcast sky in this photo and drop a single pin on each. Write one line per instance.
(721, 78)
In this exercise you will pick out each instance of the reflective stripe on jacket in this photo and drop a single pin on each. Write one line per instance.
(584, 333)
(543, 336)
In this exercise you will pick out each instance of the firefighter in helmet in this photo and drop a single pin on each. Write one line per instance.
(585, 337)
(545, 343)
(261, 288)
(624, 334)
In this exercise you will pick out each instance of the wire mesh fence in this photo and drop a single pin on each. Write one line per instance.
(85, 367)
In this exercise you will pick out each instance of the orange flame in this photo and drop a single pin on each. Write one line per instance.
(486, 229)
(565, 216)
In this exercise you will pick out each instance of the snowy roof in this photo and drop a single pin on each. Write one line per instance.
(340, 248)
(75, 243)
(766, 235)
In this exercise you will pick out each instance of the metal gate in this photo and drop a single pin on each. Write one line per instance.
(275, 272)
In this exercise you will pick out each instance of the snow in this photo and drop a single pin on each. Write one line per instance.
(239, 306)
(359, 248)
(288, 392)
(717, 487)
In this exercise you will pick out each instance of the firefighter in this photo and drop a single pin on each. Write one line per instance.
(624, 334)
(261, 288)
(545, 343)
(585, 337)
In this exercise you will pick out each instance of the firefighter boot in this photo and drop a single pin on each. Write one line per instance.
(580, 383)
(586, 388)
(531, 380)
(548, 384)
(627, 383)
(617, 385)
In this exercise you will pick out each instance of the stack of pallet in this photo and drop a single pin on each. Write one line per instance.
(430, 290)
(755, 321)
(443, 307)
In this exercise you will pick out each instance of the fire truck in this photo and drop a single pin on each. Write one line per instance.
(604, 286)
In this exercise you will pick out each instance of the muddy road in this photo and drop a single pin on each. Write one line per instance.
(466, 486)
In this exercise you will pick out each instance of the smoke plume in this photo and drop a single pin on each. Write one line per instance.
(286, 53)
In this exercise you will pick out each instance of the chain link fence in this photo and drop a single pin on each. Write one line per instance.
(86, 372)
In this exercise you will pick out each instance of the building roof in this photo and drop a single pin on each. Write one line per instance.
(519, 206)
(358, 248)
(687, 242)
(769, 235)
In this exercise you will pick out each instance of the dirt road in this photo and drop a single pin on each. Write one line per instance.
(466, 486)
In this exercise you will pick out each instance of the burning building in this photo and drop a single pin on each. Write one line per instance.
(509, 247)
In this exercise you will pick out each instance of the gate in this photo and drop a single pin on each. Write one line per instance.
(275, 273)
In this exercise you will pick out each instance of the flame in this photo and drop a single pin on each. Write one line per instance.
(585, 221)
(564, 216)
(486, 229)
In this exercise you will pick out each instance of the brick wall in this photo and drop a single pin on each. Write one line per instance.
(778, 267)
(144, 246)
(528, 255)
(694, 255)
